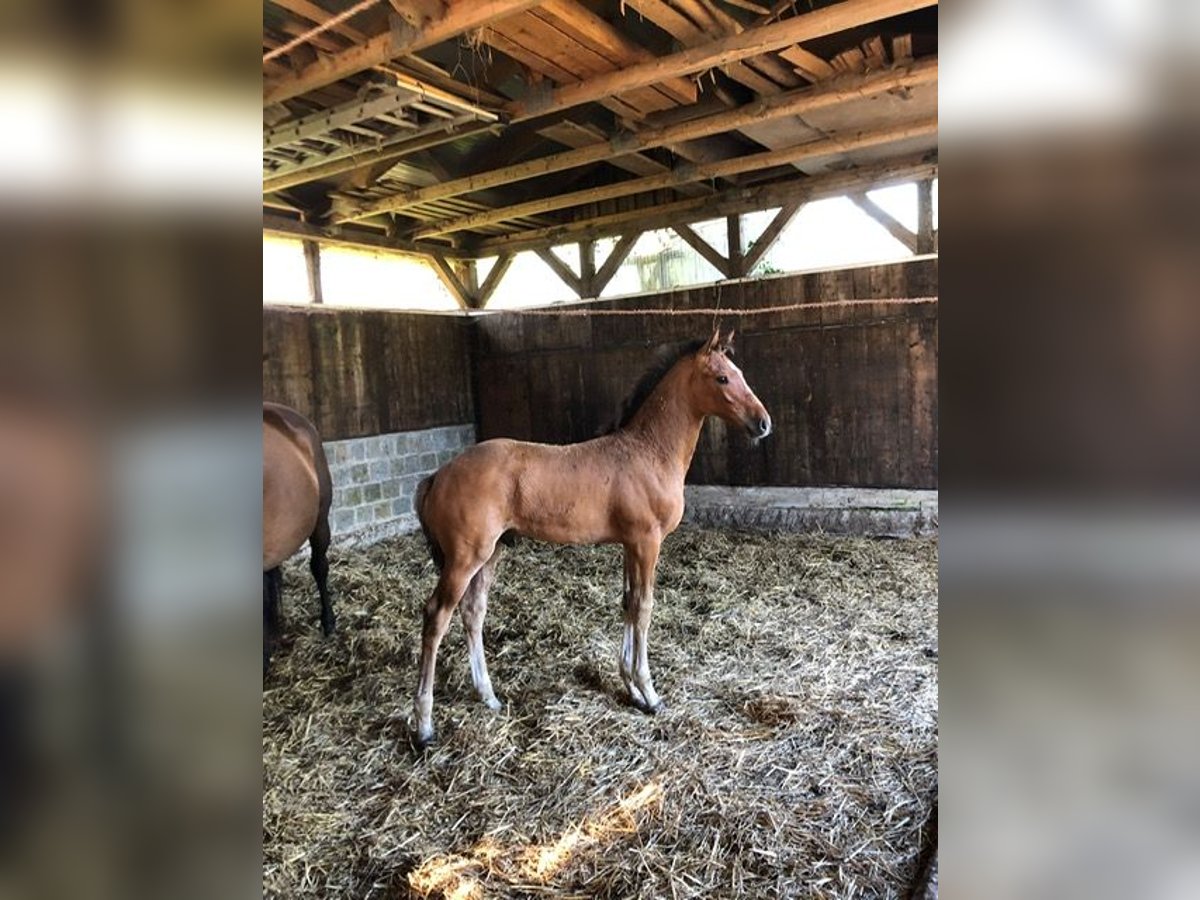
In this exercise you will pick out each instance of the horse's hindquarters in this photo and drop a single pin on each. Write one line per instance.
(291, 497)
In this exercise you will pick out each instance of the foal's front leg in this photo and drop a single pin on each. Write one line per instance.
(640, 562)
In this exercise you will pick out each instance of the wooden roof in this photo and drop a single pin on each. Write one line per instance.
(468, 127)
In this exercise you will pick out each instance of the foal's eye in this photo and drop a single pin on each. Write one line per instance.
(721, 379)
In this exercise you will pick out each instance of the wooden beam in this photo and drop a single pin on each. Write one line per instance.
(369, 154)
(503, 261)
(886, 219)
(457, 288)
(925, 239)
(616, 256)
(791, 103)
(400, 40)
(704, 248)
(562, 270)
(739, 199)
(751, 42)
(347, 236)
(723, 169)
(736, 256)
(312, 266)
(770, 235)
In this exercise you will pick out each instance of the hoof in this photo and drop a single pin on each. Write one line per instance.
(424, 743)
(328, 626)
(493, 704)
(646, 707)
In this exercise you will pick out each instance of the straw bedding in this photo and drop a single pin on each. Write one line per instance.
(797, 756)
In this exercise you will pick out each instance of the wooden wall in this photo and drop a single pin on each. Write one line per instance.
(853, 392)
(359, 372)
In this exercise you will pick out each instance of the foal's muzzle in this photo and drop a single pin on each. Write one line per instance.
(759, 427)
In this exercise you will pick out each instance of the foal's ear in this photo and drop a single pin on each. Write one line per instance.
(714, 342)
(727, 344)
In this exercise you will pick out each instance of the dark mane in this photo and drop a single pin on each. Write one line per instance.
(664, 360)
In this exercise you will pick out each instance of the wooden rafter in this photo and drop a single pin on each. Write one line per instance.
(751, 42)
(770, 235)
(895, 228)
(347, 236)
(499, 268)
(723, 169)
(562, 270)
(459, 17)
(797, 102)
(312, 267)
(616, 256)
(460, 288)
(703, 247)
(832, 184)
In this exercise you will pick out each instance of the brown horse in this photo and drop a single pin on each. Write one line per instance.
(297, 493)
(623, 488)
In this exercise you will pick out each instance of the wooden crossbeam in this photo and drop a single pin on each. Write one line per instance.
(562, 270)
(770, 235)
(740, 199)
(347, 236)
(459, 288)
(886, 219)
(704, 248)
(409, 142)
(796, 102)
(503, 261)
(616, 256)
(751, 42)
(689, 173)
(458, 17)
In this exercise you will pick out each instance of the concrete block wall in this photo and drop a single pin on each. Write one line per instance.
(374, 478)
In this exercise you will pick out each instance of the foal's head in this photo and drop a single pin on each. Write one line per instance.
(719, 389)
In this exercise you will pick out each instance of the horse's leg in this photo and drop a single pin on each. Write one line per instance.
(628, 607)
(474, 608)
(272, 588)
(640, 562)
(319, 564)
(439, 608)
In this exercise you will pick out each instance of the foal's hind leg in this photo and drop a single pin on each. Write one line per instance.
(272, 588)
(474, 608)
(319, 564)
(439, 608)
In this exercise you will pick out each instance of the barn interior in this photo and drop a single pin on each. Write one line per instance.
(795, 633)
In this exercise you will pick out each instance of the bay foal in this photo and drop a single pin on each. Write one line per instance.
(623, 488)
(297, 494)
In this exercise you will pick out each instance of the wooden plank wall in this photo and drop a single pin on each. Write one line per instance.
(359, 372)
(853, 392)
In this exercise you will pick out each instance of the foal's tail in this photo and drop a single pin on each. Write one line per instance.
(435, 550)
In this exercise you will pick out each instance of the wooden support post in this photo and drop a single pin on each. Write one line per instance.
(770, 235)
(886, 219)
(503, 261)
(925, 242)
(312, 263)
(587, 268)
(733, 229)
(562, 270)
(701, 246)
(615, 257)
